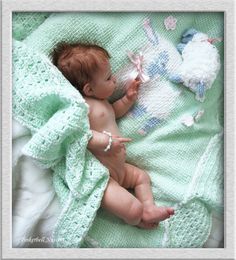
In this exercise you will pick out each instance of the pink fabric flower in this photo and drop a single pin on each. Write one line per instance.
(170, 23)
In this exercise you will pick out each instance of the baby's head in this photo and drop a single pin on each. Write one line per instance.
(87, 68)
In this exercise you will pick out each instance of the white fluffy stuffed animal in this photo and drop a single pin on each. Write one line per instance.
(201, 63)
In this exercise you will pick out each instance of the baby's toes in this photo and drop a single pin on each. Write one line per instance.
(170, 211)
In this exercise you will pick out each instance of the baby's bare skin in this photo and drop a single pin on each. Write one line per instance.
(102, 117)
(88, 68)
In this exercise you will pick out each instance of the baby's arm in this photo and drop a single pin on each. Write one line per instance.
(98, 141)
(122, 105)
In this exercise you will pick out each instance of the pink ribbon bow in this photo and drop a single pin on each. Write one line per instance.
(137, 60)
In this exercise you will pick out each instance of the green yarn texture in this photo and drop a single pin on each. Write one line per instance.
(23, 24)
(56, 114)
(185, 163)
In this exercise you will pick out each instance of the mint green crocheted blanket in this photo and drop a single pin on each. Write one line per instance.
(185, 162)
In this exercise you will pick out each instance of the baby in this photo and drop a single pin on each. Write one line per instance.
(88, 69)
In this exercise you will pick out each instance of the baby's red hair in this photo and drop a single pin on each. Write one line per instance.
(79, 61)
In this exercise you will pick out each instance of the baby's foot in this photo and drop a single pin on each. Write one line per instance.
(146, 225)
(154, 214)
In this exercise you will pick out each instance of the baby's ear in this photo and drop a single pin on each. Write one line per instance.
(87, 90)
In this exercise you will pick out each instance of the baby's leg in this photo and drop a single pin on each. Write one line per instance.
(139, 180)
(122, 203)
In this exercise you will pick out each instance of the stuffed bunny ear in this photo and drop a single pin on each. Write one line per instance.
(176, 78)
(188, 35)
(180, 47)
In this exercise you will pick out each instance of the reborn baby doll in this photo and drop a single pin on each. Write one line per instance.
(87, 68)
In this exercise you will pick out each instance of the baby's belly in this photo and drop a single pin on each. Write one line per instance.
(114, 163)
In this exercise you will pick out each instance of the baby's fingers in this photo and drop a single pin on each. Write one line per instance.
(121, 139)
(136, 84)
(125, 140)
(138, 81)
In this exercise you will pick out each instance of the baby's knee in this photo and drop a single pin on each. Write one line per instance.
(134, 212)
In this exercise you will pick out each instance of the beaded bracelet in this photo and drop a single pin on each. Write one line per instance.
(109, 142)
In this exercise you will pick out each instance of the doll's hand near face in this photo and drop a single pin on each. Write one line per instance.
(132, 91)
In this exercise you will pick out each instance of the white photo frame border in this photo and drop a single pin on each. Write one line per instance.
(226, 6)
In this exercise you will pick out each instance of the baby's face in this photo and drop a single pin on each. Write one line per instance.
(103, 82)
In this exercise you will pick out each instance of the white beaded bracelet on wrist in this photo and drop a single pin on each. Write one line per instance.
(109, 142)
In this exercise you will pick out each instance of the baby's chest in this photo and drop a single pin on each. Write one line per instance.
(101, 110)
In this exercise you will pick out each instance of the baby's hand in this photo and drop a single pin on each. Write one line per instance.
(106, 143)
(132, 90)
(118, 143)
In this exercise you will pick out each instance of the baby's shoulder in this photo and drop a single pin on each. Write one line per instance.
(90, 101)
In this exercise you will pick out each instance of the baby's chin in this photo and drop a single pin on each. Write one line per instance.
(105, 96)
(110, 95)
